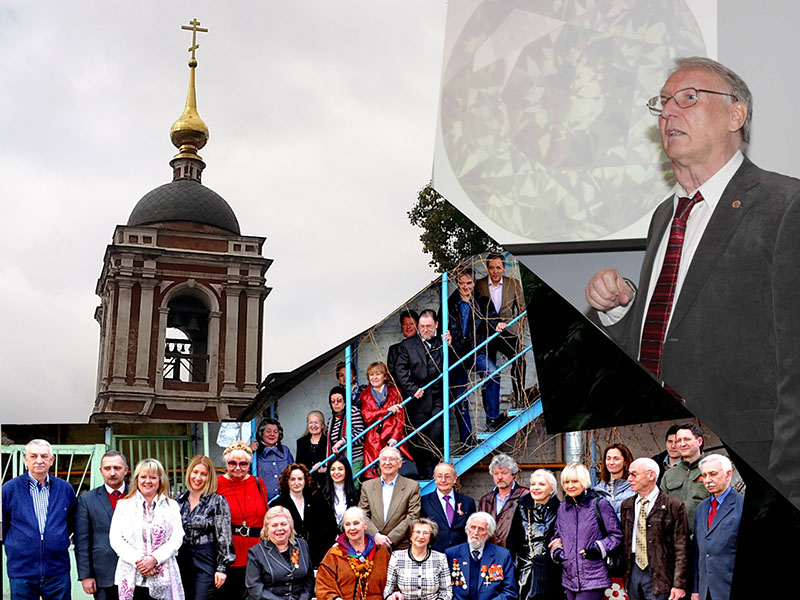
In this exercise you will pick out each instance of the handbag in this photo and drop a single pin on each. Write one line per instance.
(615, 561)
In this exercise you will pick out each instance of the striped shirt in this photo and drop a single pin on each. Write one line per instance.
(41, 499)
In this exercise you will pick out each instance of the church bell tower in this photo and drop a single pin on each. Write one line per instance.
(182, 294)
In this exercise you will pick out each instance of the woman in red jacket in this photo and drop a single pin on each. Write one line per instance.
(379, 399)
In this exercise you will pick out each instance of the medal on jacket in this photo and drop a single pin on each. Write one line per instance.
(493, 572)
(457, 578)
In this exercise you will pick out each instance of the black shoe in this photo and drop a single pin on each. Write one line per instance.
(495, 424)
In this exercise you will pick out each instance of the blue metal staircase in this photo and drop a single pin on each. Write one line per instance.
(491, 441)
(488, 442)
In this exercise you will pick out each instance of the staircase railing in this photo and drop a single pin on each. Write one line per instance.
(444, 413)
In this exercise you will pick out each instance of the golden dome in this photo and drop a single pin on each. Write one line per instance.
(189, 133)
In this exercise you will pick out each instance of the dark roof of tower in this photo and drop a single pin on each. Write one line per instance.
(184, 200)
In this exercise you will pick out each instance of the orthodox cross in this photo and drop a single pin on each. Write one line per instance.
(194, 27)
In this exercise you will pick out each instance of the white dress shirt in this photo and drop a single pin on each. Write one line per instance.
(496, 294)
(637, 506)
(387, 489)
(696, 224)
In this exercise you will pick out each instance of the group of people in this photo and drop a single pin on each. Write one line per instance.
(476, 311)
(224, 537)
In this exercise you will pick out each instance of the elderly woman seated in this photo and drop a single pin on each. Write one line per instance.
(279, 566)
(355, 568)
(418, 572)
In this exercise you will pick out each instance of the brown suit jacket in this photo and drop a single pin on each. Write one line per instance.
(403, 510)
(667, 542)
(488, 503)
(512, 301)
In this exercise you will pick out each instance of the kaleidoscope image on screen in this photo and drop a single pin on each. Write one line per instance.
(543, 112)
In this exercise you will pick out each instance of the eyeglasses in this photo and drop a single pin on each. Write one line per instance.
(685, 98)
(242, 464)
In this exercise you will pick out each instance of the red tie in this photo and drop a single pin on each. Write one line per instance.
(655, 323)
(114, 496)
(712, 512)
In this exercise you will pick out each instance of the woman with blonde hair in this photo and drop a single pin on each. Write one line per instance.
(532, 530)
(146, 533)
(207, 544)
(381, 399)
(587, 530)
(247, 498)
(280, 565)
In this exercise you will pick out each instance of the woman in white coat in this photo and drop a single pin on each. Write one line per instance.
(146, 533)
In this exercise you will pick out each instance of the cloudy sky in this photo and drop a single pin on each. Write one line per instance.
(322, 117)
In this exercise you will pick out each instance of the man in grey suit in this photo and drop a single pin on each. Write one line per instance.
(715, 316)
(391, 501)
(716, 529)
(95, 559)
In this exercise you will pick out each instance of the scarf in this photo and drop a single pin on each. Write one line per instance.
(347, 548)
(380, 397)
(149, 529)
(361, 563)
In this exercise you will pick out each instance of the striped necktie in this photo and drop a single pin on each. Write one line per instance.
(658, 312)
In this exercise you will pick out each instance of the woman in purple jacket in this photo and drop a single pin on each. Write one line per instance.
(579, 545)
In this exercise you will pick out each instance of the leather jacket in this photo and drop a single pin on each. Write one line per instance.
(532, 530)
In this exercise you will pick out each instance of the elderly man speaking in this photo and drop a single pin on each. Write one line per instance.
(715, 316)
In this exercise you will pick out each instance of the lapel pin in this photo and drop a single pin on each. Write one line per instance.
(736, 203)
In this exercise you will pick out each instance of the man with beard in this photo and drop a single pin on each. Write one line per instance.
(501, 502)
(480, 570)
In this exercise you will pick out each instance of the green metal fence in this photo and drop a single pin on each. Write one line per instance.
(79, 464)
(172, 451)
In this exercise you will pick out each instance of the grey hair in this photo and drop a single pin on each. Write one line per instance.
(393, 450)
(425, 521)
(39, 442)
(504, 461)
(491, 524)
(649, 465)
(355, 509)
(548, 476)
(723, 461)
(732, 81)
